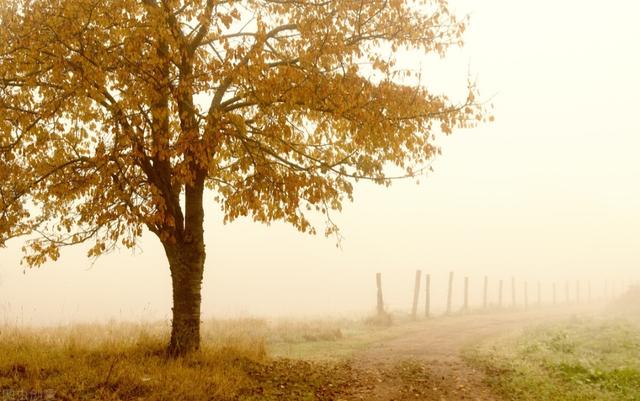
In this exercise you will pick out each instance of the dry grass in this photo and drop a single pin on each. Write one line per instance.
(121, 362)
(280, 331)
(126, 361)
(242, 359)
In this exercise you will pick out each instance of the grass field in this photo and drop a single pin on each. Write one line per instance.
(580, 359)
(305, 360)
(245, 359)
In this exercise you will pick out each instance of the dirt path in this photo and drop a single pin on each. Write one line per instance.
(427, 364)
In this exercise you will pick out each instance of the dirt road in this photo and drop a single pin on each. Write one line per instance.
(427, 364)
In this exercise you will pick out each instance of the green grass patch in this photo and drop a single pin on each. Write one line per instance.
(580, 359)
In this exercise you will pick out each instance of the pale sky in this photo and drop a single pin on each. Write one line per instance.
(549, 192)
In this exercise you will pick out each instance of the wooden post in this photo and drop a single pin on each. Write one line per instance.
(427, 306)
(554, 294)
(416, 294)
(486, 288)
(513, 292)
(577, 291)
(449, 293)
(500, 294)
(539, 299)
(566, 292)
(526, 296)
(380, 301)
(466, 294)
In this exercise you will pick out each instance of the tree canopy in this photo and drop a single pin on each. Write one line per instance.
(111, 110)
(117, 115)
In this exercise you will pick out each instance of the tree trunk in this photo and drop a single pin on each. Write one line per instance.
(186, 256)
(187, 265)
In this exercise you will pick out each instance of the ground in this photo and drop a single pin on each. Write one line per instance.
(252, 360)
(428, 364)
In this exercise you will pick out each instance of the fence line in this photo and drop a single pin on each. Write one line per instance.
(609, 292)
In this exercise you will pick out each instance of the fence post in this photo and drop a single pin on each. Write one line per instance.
(513, 292)
(486, 287)
(427, 306)
(449, 293)
(466, 294)
(416, 294)
(500, 294)
(380, 301)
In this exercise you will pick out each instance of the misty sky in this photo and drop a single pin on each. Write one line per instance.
(549, 192)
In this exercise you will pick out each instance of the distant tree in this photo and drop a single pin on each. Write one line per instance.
(115, 116)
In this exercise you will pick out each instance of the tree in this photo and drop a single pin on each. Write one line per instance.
(118, 116)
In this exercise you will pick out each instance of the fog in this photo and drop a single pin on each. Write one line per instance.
(548, 192)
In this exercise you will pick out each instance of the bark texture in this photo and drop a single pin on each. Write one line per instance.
(187, 266)
(186, 255)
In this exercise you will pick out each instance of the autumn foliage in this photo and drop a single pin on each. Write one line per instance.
(115, 116)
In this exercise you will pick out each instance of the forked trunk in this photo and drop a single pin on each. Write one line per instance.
(186, 265)
(186, 256)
